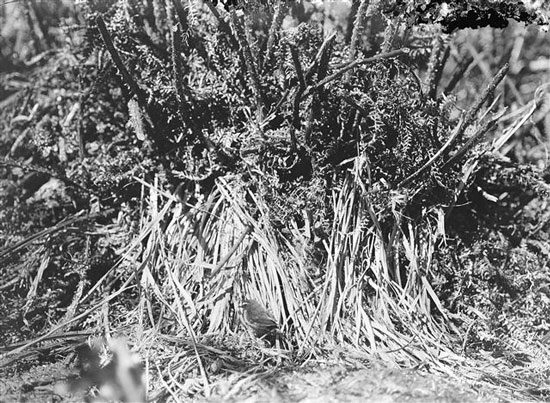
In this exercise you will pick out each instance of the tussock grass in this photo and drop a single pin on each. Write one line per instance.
(200, 261)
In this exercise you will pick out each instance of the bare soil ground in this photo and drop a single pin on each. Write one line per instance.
(316, 382)
(327, 383)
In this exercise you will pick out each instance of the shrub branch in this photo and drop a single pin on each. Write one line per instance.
(127, 78)
(438, 58)
(471, 142)
(464, 123)
(281, 9)
(472, 112)
(459, 73)
(246, 55)
(357, 28)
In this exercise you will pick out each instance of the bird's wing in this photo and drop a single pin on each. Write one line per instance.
(264, 319)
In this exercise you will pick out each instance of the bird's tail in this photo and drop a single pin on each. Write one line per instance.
(280, 341)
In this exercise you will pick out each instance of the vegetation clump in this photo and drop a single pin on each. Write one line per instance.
(370, 184)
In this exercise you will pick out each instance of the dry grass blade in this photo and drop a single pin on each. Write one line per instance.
(44, 257)
(55, 329)
(527, 112)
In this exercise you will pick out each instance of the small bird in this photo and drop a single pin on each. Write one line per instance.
(185, 191)
(260, 321)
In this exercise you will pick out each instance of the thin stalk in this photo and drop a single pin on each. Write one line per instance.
(35, 40)
(244, 48)
(281, 10)
(459, 73)
(351, 18)
(42, 28)
(127, 78)
(389, 35)
(472, 141)
(438, 58)
(354, 64)
(357, 28)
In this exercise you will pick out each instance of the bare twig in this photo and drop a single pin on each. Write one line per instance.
(182, 14)
(226, 258)
(439, 71)
(354, 64)
(71, 310)
(158, 14)
(281, 101)
(355, 105)
(324, 57)
(223, 25)
(80, 135)
(367, 8)
(182, 93)
(295, 119)
(149, 14)
(430, 162)
(319, 65)
(67, 335)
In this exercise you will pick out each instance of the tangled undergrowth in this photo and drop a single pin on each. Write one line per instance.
(372, 185)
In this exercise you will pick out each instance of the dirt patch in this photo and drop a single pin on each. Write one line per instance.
(339, 383)
(317, 382)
